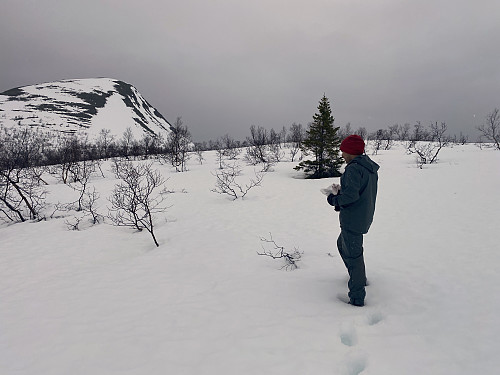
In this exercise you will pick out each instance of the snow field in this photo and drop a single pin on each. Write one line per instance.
(105, 300)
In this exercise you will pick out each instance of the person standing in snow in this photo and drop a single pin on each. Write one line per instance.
(356, 205)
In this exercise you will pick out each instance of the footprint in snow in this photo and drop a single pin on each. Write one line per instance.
(355, 364)
(375, 318)
(348, 335)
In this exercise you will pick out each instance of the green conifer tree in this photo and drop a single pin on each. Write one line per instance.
(323, 143)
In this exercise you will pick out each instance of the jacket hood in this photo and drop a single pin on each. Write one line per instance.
(366, 162)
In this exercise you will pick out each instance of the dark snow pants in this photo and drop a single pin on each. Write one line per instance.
(350, 247)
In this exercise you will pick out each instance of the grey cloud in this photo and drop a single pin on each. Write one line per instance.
(224, 65)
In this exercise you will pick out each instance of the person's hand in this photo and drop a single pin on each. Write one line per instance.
(335, 189)
(331, 202)
(331, 198)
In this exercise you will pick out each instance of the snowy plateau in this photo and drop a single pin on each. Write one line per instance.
(82, 106)
(105, 300)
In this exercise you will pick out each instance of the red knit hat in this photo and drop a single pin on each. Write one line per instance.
(353, 145)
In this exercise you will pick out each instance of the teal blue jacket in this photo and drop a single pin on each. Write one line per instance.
(358, 194)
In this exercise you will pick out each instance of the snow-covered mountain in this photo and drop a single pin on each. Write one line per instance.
(82, 105)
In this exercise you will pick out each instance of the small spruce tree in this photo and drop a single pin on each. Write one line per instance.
(323, 143)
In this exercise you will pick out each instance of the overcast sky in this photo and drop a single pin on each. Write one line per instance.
(226, 65)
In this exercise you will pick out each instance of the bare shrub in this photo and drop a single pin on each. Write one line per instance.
(226, 148)
(490, 131)
(105, 144)
(178, 145)
(69, 154)
(275, 145)
(427, 151)
(461, 139)
(362, 132)
(82, 172)
(88, 211)
(420, 133)
(231, 148)
(226, 183)
(257, 151)
(273, 250)
(136, 199)
(400, 132)
(295, 138)
(126, 143)
(22, 196)
(344, 131)
(199, 149)
(258, 154)
(74, 223)
(89, 206)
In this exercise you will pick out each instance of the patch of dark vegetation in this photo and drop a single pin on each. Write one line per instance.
(82, 108)
(84, 113)
(13, 92)
(97, 99)
(46, 107)
(130, 98)
(77, 111)
(25, 98)
(158, 114)
(125, 90)
(146, 128)
(70, 132)
(19, 99)
(55, 87)
(85, 116)
(140, 114)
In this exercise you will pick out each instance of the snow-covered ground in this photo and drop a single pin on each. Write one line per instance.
(105, 300)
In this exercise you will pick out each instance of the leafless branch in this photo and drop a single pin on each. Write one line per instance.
(135, 200)
(491, 129)
(226, 182)
(279, 252)
(427, 151)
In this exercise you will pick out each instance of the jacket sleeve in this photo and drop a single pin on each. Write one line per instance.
(331, 199)
(352, 181)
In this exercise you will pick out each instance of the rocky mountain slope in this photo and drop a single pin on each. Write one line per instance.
(82, 106)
